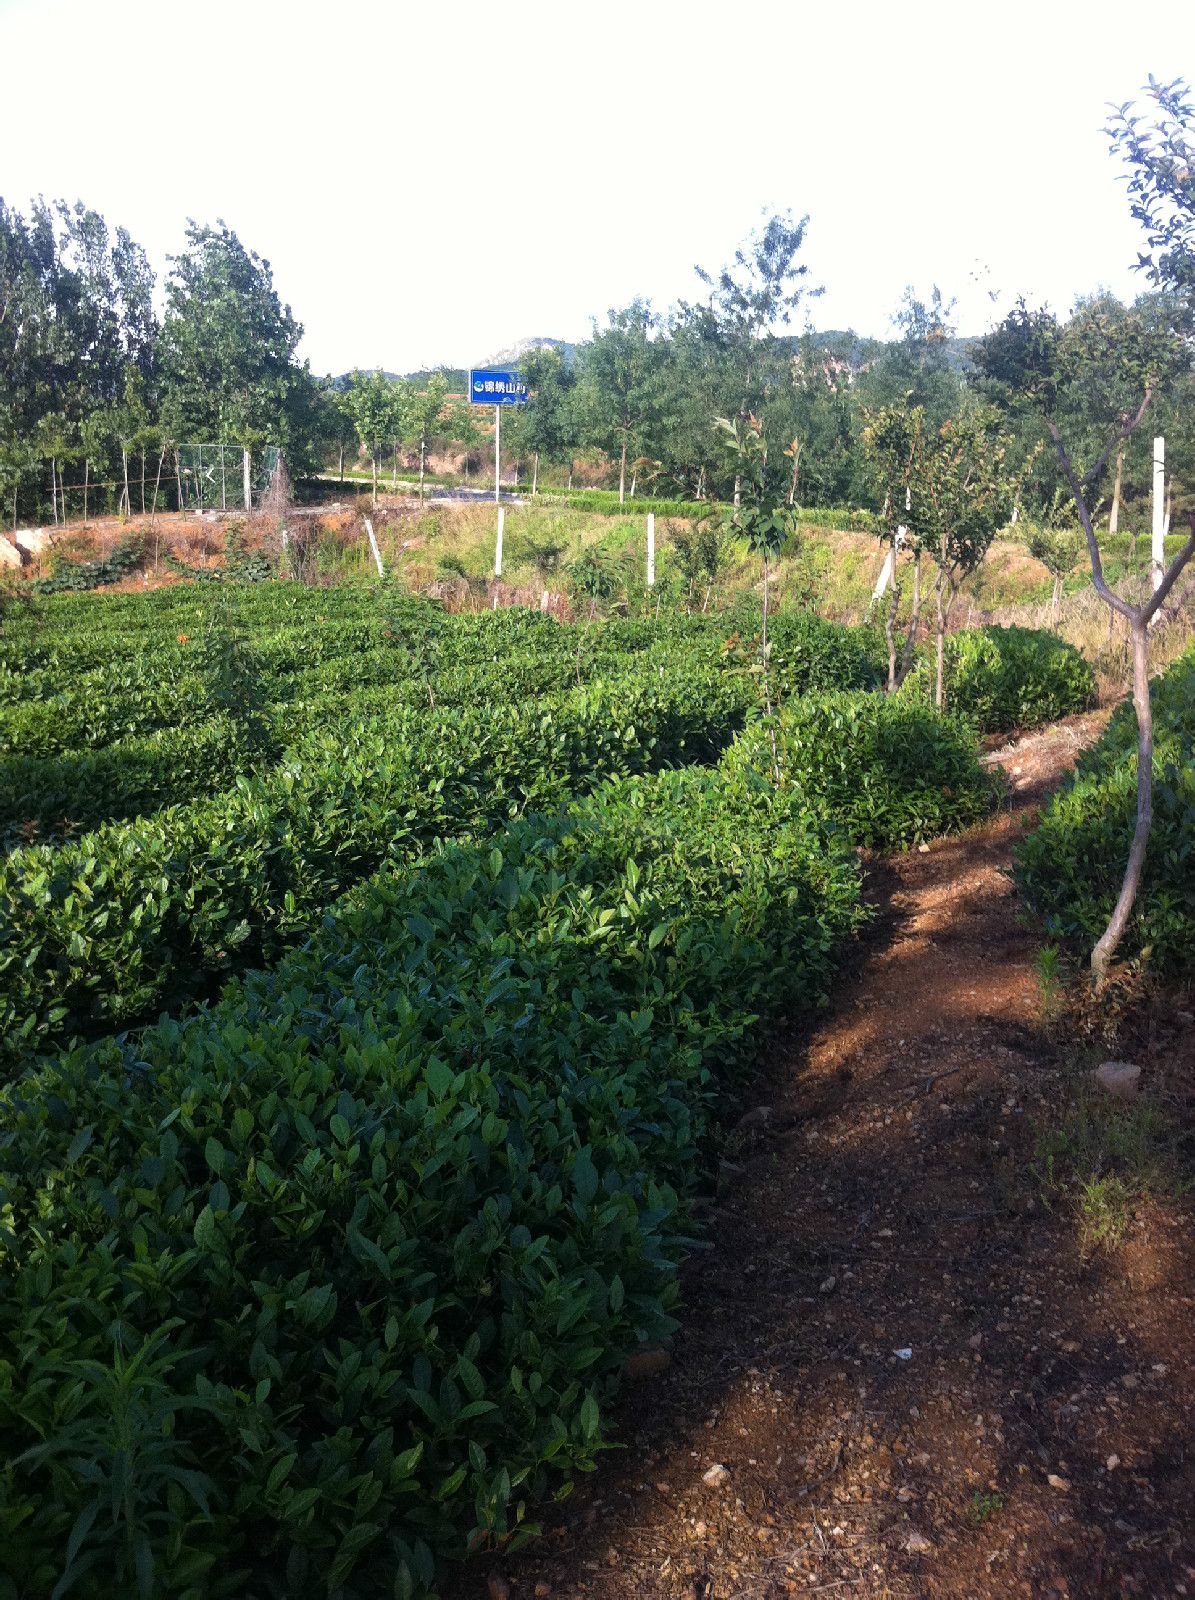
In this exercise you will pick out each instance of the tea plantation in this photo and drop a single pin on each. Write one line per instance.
(372, 981)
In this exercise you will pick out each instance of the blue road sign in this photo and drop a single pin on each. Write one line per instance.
(490, 387)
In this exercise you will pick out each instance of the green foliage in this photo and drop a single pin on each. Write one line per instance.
(1000, 679)
(807, 654)
(105, 930)
(889, 772)
(80, 576)
(331, 1281)
(1070, 868)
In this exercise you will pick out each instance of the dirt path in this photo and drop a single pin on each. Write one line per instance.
(914, 1382)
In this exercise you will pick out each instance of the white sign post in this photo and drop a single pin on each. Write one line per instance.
(498, 546)
(498, 464)
(1158, 551)
(651, 549)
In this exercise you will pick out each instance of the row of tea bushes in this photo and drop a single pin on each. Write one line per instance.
(887, 772)
(330, 1282)
(1069, 870)
(103, 931)
(1001, 679)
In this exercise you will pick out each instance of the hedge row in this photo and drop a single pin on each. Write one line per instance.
(1069, 870)
(104, 931)
(889, 773)
(1001, 679)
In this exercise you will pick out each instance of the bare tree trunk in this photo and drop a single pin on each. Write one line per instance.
(178, 481)
(570, 474)
(535, 476)
(422, 464)
(906, 660)
(1105, 946)
(738, 491)
(940, 642)
(143, 480)
(126, 502)
(54, 488)
(622, 473)
(1138, 618)
(1114, 514)
(374, 459)
(342, 461)
(767, 688)
(890, 626)
(394, 467)
(1056, 603)
(86, 479)
(792, 488)
(634, 481)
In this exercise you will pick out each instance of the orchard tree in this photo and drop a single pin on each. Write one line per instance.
(1058, 545)
(1041, 365)
(764, 526)
(893, 441)
(960, 496)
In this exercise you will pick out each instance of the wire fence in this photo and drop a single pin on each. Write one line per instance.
(181, 479)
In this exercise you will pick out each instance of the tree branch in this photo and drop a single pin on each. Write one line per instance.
(1126, 427)
(1093, 549)
(1169, 578)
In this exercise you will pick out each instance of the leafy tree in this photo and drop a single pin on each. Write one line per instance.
(547, 417)
(228, 350)
(765, 527)
(616, 392)
(377, 406)
(961, 495)
(1158, 151)
(757, 292)
(1058, 545)
(420, 413)
(920, 368)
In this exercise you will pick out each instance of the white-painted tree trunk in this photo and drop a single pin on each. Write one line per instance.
(373, 545)
(1158, 551)
(651, 549)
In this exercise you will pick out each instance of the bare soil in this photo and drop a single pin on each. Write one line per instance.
(914, 1379)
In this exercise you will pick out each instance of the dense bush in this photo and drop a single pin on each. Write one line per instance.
(331, 1280)
(889, 772)
(1070, 868)
(103, 931)
(1001, 679)
(807, 654)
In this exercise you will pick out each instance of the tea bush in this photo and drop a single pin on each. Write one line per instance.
(103, 931)
(1069, 870)
(1001, 679)
(327, 1283)
(888, 772)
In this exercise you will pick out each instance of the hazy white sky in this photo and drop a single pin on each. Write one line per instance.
(431, 182)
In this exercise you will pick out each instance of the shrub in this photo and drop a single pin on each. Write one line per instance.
(1069, 870)
(1001, 679)
(888, 772)
(330, 1281)
(105, 930)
